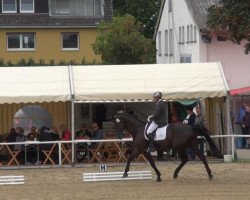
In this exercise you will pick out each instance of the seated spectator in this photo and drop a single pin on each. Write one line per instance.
(97, 134)
(55, 132)
(11, 137)
(33, 135)
(174, 116)
(46, 135)
(20, 147)
(66, 135)
(83, 133)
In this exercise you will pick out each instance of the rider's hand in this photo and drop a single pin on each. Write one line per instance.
(149, 118)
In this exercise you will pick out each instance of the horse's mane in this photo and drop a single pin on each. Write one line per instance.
(131, 117)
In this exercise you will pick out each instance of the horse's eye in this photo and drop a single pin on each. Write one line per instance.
(117, 120)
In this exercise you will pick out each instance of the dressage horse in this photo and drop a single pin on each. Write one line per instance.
(179, 137)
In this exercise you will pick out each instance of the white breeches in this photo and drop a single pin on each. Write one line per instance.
(152, 127)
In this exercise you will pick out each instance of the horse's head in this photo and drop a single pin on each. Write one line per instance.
(120, 124)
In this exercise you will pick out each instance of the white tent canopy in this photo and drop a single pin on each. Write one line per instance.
(139, 82)
(34, 84)
(110, 82)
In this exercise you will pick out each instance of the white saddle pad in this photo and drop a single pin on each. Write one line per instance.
(161, 133)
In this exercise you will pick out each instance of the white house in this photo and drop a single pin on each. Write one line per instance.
(182, 35)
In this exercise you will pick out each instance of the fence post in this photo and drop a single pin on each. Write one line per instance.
(233, 156)
(60, 153)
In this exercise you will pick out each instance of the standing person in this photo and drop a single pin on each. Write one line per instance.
(241, 114)
(190, 120)
(200, 120)
(246, 124)
(159, 118)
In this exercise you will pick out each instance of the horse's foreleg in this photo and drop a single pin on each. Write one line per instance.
(184, 159)
(152, 163)
(204, 160)
(131, 157)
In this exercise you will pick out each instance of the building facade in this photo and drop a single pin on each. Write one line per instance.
(50, 31)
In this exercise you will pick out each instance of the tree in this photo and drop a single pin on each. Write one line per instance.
(120, 42)
(234, 17)
(145, 11)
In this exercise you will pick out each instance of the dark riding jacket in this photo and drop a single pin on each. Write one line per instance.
(160, 115)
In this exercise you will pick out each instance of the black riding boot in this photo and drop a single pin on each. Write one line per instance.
(151, 142)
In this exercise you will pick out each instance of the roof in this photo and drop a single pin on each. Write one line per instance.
(198, 10)
(34, 84)
(139, 82)
(111, 82)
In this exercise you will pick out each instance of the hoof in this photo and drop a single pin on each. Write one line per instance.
(211, 177)
(125, 175)
(158, 179)
(175, 176)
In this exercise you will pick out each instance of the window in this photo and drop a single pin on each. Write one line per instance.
(183, 35)
(185, 58)
(171, 42)
(169, 5)
(9, 6)
(195, 34)
(27, 6)
(159, 42)
(20, 41)
(191, 33)
(77, 7)
(180, 38)
(32, 115)
(62, 6)
(70, 41)
(166, 42)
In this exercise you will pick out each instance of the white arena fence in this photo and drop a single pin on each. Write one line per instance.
(230, 143)
(12, 180)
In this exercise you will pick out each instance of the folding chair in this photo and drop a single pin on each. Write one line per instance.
(13, 154)
(141, 158)
(48, 155)
(66, 152)
(112, 152)
(96, 153)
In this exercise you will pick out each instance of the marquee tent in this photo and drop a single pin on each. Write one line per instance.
(111, 82)
(139, 82)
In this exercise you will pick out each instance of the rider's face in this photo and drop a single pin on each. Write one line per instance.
(155, 99)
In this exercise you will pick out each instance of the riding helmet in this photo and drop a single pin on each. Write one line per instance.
(157, 94)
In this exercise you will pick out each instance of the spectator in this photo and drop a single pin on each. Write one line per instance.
(55, 132)
(83, 133)
(33, 135)
(174, 116)
(190, 120)
(66, 135)
(246, 124)
(20, 147)
(11, 137)
(200, 120)
(241, 115)
(97, 133)
(46, 135)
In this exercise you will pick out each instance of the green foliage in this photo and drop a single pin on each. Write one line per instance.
(145, 11)
(31, 62)
(120, 42)
(41, 62)
(234, 17)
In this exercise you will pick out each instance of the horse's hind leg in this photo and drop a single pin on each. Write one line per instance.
(131, 157)
(152, 163)
(204, 160)
(184, 159)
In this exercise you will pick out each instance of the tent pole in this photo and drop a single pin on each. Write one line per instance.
(72, 94)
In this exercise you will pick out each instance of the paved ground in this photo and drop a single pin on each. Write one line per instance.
(231, 181)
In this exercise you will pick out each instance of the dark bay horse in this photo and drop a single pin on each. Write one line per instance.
(179, 137)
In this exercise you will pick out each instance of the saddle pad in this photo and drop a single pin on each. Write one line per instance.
(161, 133)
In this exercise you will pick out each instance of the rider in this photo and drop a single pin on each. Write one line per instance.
(157, 119)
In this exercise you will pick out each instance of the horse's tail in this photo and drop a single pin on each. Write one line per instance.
(202, 131)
